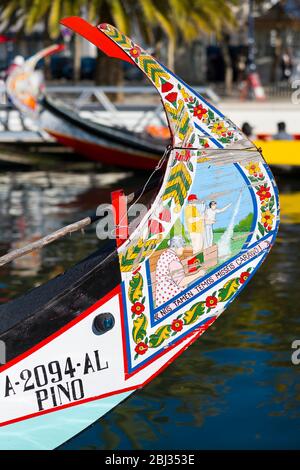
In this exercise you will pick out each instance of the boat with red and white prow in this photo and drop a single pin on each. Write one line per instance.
(82, 343)
(107, 144)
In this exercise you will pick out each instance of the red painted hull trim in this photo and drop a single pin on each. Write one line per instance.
(106, 155)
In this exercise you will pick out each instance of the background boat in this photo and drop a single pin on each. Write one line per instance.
(134, 137)
(112, 145)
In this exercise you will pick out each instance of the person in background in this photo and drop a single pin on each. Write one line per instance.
(247, 130)
(286, 64)
(241, 65)
(282, 134)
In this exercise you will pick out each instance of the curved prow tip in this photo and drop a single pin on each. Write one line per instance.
(58, 48)
(47, 52)
(96, 37)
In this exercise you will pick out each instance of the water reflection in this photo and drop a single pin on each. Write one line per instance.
(35, 203)
(235, 387)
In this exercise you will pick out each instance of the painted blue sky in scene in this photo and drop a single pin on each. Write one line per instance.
(229, 181)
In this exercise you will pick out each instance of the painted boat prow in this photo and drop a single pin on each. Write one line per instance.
(25, 85)
(210, 227)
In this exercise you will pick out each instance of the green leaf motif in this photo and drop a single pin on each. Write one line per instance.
(253, 180)
(228, 290)
(139, 330)
(128, 259)
(225, 140)
(271, 203)
(160, 335)
(261, 228)
(135, 290)
(190, 166)
(211, 115)
(192, 315)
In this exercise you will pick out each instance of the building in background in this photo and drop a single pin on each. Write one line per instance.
(221, 60)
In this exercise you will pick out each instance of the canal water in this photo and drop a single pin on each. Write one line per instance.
(236, 388)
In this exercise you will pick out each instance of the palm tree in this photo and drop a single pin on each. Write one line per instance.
(29, 13)
(187, 19)
(177, 19)
(174, 19)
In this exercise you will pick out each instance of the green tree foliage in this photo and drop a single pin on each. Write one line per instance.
(245, 224)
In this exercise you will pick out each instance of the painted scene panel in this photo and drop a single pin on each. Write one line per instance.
(213, 227)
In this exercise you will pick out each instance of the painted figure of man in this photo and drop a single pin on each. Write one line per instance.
(194, 221)
(170, 277)
(210, 219)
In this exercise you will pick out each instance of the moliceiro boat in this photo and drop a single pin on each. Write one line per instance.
(79, 345)
(96, 141)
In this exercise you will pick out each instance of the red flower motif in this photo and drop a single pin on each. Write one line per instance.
(172, 97)
(200, 111)
(103, 26)
(166, 86)
(211, 301)
(141, 348)
(135, 51)
(155, 227)
(165, 215)
(136, 270)
(177, 325)
(183, 156)
(138, 308)
(263, 193)
(244, 276)
(266, 224)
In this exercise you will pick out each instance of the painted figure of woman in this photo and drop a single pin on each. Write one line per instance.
(170, 277)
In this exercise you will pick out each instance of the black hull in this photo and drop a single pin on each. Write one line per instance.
(28, 320)
(41, 312)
